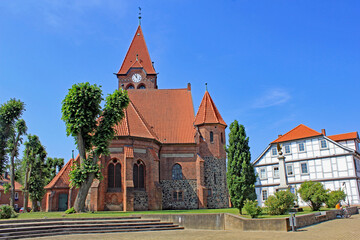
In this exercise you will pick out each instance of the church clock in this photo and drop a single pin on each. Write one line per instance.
(136, 77)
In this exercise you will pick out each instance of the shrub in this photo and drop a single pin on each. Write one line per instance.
(280, 203)
(70, 211)
(7, 211)
(335, 197)
(252, 208)
(314, 194)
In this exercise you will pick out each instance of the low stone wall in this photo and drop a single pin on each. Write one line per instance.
(206, 221)
(227, 221)
(313, 218)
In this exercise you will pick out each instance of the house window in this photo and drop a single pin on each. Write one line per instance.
(139, 175)
(304, 168)
(177, 172)
(323, 144)
(211, 136)
(114, 176)
(16, 195)
(276, 172)
(178, 196)
(301, 147)
(209, 192)
(287, 149)
(262, 173)
(290, 170)
(264, 195)
(274, 151)
(292, 190)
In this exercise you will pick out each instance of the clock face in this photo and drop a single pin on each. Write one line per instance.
(136, 77)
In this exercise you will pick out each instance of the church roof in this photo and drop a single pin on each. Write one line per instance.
(61, 180)
(208, 113)
(165, 115)
(344, 136)
(298, 132)
(137, 55)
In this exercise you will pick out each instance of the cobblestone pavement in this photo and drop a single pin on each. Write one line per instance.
(334, 229)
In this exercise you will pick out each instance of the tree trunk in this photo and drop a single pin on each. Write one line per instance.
(79, 204)
(81, 147)
(26, 186)
(12, 180)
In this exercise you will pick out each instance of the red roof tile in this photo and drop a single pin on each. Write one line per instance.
(208, 113)
(4, 180)
(137, 50)
(344, 136)
(61, 180)
(299, 132)
(163, 114)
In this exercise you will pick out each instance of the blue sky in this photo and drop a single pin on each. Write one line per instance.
(269, 64)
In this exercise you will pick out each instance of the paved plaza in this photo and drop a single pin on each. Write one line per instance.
(334, 229)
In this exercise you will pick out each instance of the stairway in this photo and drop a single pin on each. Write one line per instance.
(29, 228)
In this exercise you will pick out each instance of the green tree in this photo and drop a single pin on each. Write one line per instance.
(13, 144)
(38, 178)
(32, 152)
(53, 166)
(334, 198)
(280, 203)
(241, 176)
(313, 193)
(10, 112)
(92, 129)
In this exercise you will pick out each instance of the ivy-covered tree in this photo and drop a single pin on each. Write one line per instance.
(10, 112)
(241, 177)
(14, 141)
(38, 178)
(32, 152)
(92, 128)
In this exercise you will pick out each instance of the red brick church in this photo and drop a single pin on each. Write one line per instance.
(162, 157)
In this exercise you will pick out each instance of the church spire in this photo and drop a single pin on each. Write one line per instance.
(137, 52)
(208, 113)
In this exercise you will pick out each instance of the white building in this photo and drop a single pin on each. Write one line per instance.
(309, 155)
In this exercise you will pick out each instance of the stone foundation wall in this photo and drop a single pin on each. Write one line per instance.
(140, 201)
(189, 194)
(215, 179)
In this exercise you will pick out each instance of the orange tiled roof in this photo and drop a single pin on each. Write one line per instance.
(61, 180)
(208, 112)
(299, 132)
(344, 136)
(18, 186)
(137, 50)
(163, 114)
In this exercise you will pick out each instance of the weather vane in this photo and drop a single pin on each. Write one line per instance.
(139, 16)
(206, 86)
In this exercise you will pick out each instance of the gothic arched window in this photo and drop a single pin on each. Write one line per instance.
(211, 136)
(177, 172)
(139, 175)
(142, 86)
(114, 176)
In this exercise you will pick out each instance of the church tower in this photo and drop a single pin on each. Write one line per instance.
(211, 129)
(137, 70)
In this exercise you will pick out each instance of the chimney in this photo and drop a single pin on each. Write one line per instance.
(189, 86)
(280, 135)
(323, 132)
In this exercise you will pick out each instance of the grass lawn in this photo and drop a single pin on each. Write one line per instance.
(104, 214)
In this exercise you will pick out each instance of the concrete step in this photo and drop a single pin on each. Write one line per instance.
(35, 235)
(83, 226)
(74, 222)
(50, 227)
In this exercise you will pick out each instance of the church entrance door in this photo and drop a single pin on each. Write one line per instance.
(63, 201)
